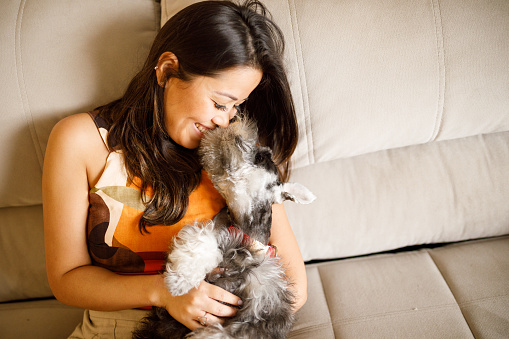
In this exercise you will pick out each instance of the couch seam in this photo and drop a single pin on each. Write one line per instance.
(157, 14)
(430, 255)
(20, 205)
(309, 328)
(302, 80)
(391, 314)
(326, 299)
(474, 301)
(439, 34)
(165, 8)
(22, 85)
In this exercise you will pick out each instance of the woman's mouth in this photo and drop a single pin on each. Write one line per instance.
(201, 128)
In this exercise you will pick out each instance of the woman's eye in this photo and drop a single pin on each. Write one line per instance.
(220, 107)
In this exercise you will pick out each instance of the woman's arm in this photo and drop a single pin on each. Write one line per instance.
(74, 159)
(73, 280)
(283, 238)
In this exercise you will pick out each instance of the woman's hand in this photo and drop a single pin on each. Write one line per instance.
(202, 304)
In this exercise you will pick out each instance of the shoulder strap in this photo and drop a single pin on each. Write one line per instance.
(102, 126)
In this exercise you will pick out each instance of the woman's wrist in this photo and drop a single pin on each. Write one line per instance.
(158, 293)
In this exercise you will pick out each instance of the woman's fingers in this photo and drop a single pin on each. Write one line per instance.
(209, 319)
(220, 297)
(206, 304)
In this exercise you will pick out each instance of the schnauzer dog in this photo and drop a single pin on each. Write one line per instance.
(236, 241)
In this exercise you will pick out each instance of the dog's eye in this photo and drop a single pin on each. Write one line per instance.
(259, 158)
(264, 159)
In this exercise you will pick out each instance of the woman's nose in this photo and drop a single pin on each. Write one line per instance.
(221, 119)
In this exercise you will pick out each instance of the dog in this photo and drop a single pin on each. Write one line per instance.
(236, 241)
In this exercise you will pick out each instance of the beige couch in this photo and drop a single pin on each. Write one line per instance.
(403, 109)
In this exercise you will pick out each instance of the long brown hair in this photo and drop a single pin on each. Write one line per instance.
(207, 38)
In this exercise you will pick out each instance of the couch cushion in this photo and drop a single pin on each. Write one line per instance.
(60, 58)
(445, 191)
(456, 291)
(373, 75)
(390, 296)
(313, 320)
(484, 295)
(22, 267)
(38, 319)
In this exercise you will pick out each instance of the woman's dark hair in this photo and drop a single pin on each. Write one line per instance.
(207, 38)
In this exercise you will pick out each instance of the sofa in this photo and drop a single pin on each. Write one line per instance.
(403, 110)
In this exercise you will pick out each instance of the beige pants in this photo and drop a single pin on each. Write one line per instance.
(99, 325)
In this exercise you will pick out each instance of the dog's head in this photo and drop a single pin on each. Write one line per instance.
(244, 173)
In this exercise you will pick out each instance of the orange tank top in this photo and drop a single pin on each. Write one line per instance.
(114, 239)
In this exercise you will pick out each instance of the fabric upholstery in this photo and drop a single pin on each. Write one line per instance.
(38, 319)
(439, 192)
(483, 296)
(455, 291)
(22, 267)
(59, 59)
(418, 294)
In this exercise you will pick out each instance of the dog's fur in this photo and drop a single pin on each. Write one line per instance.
(246, 176)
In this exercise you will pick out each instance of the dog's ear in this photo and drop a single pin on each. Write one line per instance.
(297, 193)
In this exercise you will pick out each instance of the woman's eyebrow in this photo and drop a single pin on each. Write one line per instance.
(226, 95)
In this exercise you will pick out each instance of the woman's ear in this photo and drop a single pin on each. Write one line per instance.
(167, 65)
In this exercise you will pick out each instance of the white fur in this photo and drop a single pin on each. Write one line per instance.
(295, 192)
(193, 254)
(263, 283)
(243, 185)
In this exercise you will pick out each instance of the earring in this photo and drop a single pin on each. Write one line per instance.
(161, 83)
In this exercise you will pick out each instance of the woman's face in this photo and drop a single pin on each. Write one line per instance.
(193, 107)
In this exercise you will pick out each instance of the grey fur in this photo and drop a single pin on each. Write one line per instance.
(246, 176)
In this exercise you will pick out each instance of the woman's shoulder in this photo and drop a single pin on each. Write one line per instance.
(78, 130)
(77, 123)
(76, 135)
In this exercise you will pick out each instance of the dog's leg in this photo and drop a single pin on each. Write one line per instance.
(267, 309)
(194, 253)
(268, 303)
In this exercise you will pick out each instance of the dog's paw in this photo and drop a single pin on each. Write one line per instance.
(194, 253)
(177, 284)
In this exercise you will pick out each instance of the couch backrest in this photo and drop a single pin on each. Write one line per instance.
(57, 58)
(375, 75)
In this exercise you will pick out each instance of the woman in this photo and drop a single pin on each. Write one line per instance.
(114, 199)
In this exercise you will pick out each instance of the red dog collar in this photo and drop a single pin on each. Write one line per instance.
(270, 250)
